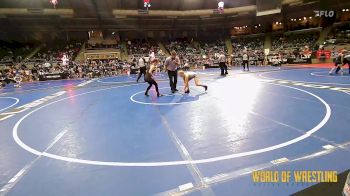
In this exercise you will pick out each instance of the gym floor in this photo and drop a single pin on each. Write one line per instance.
(104, 137)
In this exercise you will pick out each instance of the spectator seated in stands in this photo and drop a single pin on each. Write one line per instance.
(339, 35)
(196, 52)
(56, 52)
(294, 41)
(252, 46)
(138, 48)
(14, 52)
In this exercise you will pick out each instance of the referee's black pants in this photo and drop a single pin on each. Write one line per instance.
(173, 80)
(338, 69)
(222, 68)
(246, 63)
(142, 71)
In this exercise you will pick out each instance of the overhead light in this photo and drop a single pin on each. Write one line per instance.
(221, 6)
(299, 18)
(147, 4)
(54, 3)
(347, 10)
(310, 17)
(304, 18)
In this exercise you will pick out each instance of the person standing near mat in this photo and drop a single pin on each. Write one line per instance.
(18, 79)
(171, 64)
(150, 79)
(189, 75)
(338, 64)
(245, 59)
(222, 63)
(345, 61)
(142, 65)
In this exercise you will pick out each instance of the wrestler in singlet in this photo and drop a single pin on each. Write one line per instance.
(189, 75)
(150, 79)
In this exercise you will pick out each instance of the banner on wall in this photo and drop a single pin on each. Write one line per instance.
(53, 76)
(323, 54)
(299, 60)
(102, 55)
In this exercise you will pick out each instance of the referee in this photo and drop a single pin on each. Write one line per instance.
(245, 59)
(171, 65)
(222, 63)
(142, 65)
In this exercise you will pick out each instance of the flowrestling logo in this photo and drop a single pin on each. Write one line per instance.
(325, 13)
